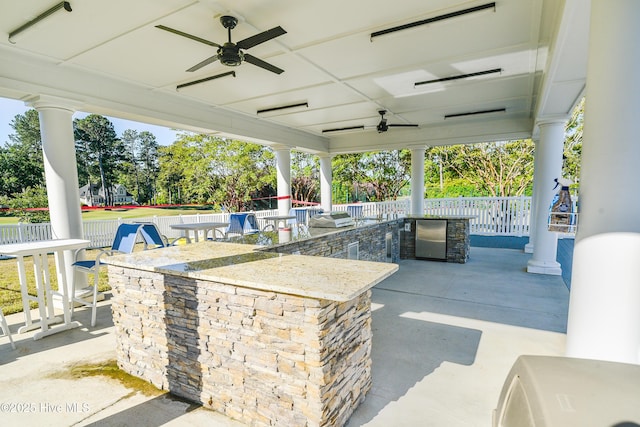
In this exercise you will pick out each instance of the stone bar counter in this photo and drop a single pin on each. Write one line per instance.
(262, 337)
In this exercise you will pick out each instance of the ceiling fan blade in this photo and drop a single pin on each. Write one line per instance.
(187, 35)
(260, 63)
(206, 79)
(342, 129)
(207, 61)
(261, 37)
(403, 125)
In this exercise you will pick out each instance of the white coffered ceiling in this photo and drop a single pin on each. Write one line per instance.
(108, 57)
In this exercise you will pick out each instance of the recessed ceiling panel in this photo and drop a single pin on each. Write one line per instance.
(65, 34)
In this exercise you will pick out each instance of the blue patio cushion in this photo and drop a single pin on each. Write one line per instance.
(87, 264)
(151, 236)
(242, 223)
(125, 238)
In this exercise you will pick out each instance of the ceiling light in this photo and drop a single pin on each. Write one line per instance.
(491, 5)
(206, 79)
(473, 113)
(343, 129)
(283, 107)
(459, 76)
(65, 4)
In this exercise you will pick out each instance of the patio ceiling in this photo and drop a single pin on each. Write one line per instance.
(108, 57)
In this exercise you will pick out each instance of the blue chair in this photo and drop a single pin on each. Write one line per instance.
(152, 238)
(124, 242)
(242, 224)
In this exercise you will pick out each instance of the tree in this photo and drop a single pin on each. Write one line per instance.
(305, 177)
(207, 169)
(379, 175)
(99, 151)
(21, 160)
(241, 170)
(497, 169)
(148, 158)
(29, 205)
(573, 144)
(130, 170)
(140, 169)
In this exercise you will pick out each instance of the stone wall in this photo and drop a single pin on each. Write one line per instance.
(263, 358)
(458, 240)
(371, 239)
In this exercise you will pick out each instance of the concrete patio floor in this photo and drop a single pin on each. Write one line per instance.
(444, 338)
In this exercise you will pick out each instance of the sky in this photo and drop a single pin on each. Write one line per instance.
(9, 108)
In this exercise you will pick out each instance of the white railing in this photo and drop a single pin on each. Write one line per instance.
(506, 216)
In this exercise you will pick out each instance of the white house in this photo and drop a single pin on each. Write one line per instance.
(92, 195)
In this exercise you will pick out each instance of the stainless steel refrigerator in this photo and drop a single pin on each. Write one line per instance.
(431, 239)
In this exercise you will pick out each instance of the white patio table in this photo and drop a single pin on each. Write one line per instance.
(199, 226)
(274, 221)
(39, 251)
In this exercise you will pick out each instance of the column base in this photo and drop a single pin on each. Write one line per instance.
(542, 267)
(528, 248)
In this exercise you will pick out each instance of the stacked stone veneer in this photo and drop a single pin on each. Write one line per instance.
(458, 240)
(263, 358)
(371, 241)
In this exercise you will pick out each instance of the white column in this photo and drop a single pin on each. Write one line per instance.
(604, 308)
(283, 169)
(528, 248)
(61, 174)
(549, 159)
(417, 181)
(326, 179)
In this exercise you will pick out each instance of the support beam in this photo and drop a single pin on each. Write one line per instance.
(61, 174)
(417, 181)
(604, 308)
(283, 169)
(326, 179)
(549, 159)
(528, 248)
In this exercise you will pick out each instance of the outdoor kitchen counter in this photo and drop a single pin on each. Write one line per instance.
(245, 266)
(264, 338)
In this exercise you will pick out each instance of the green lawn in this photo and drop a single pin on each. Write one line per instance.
(129, 213)
(10, 296)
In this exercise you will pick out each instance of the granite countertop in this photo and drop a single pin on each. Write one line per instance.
(441, 216)
(241, 265)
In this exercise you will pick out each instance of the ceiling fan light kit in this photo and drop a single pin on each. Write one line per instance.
(230, 53)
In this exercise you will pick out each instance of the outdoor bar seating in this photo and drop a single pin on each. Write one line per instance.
(124, 242)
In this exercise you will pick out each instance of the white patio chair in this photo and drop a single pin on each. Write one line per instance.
(124, 242)
(5, 329)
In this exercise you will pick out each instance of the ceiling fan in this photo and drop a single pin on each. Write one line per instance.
(231, 54)
(382, 126)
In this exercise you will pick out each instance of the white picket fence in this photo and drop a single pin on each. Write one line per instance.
(505, 216)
